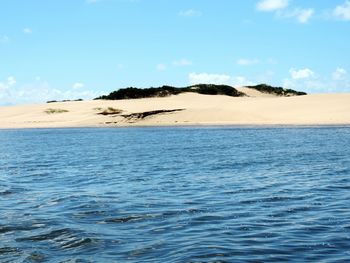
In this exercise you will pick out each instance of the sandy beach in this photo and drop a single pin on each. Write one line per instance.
(192, 109)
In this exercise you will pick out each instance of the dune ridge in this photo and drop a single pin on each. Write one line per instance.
(196, 109)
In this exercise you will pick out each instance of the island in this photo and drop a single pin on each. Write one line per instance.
(201, 104)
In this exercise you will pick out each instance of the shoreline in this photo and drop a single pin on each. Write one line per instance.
(193, 126)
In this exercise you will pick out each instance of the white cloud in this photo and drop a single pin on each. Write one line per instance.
(271, 5)
(301, 73)
(205, 78)
(339, 74)
(78, 85)
(247, 62)
(182, 62)
(281, 10)
(342, 11)
(302, 15)
(161, 67)
(190, 13)
(27, 30)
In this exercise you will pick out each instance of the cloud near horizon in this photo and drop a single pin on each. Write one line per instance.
(339, 74)
(219, 79)
(307, 80)
(39, 92)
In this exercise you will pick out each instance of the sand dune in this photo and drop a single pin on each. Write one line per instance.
(259, 109)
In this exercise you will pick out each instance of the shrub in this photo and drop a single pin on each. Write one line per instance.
(110, 111)
(53, 111)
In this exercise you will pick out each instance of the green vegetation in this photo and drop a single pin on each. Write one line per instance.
(136, 93)
(279, 91)
(110, 111)
(54, 111)
(209, 89)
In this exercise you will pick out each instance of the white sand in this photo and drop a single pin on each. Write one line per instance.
(260, 109)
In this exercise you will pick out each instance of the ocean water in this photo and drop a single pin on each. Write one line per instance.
(175, 195)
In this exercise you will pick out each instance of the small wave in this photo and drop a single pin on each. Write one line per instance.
(6, 229)
(8, 250)
(137, 218)
(129, 218)
(64, 238)
(49, 236)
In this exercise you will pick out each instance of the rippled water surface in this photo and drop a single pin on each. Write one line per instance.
(175, 195)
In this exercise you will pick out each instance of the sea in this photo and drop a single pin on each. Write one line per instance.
(175, 194)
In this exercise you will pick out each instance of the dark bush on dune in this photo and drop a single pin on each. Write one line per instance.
(136, 93)
(279, 91)
(209, 89)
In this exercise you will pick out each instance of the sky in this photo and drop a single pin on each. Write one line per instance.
(70, 49)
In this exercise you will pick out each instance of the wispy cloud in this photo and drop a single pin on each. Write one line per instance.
(27, 30)
(342, 11)
(4, 39)
(176, 63)
(247, 62)
(161, 67)
(271, 5)
(78, 86)
(190, 13)
(182, 62)
(301, 15)
(120, 66)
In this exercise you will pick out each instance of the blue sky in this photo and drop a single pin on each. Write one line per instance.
(83, 48)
